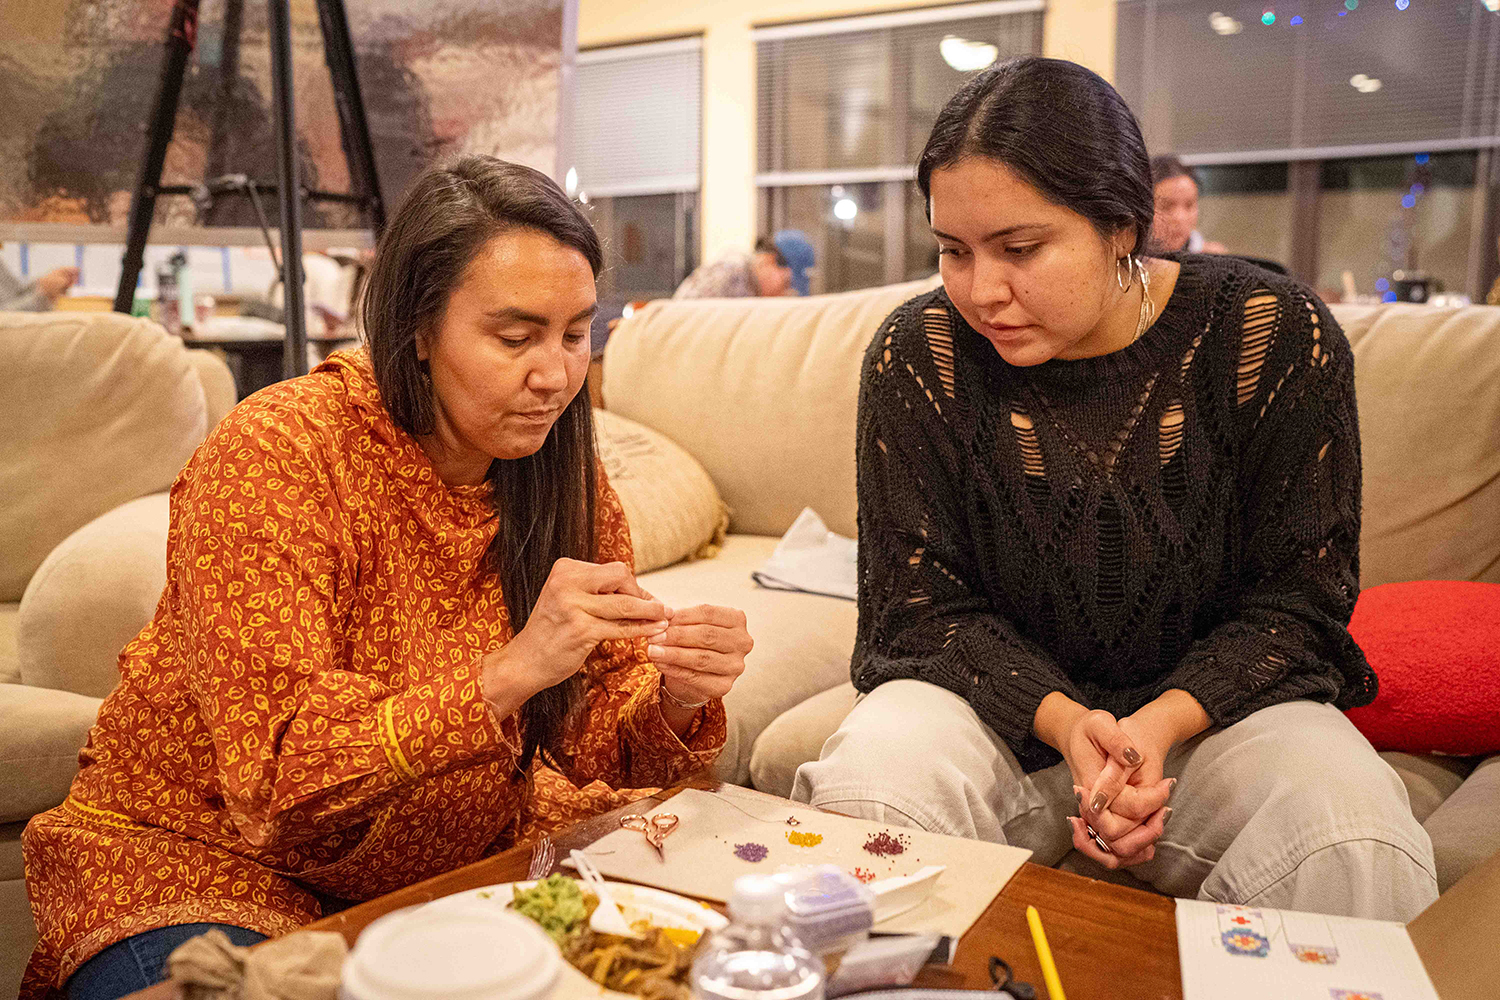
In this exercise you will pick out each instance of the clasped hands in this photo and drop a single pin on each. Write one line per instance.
(700, 651)
(1117, 780)
(1117, 770)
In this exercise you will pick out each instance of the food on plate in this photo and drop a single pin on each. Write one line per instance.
(557, 904)
(654, 966)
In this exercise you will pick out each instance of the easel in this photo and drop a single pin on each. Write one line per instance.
(354, 132)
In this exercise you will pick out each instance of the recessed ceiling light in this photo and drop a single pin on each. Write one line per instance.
(1223, 24)
(570, 182)
(845, 209)
(1365, 84)
(969, 56)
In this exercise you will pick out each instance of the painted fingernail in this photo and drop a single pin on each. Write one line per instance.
(654, 651)
(1166, 817)
(1171, 787)
(1131, 756)
(1097, 803)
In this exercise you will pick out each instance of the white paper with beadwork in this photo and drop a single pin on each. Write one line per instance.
(701, 859)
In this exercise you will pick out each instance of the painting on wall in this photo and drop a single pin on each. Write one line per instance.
(439, 78)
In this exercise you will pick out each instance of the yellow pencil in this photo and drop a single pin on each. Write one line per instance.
(1044, 955)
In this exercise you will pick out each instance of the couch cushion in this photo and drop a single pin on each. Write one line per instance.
(98, 409)
(41, 732)
(761, 391)
(1429, 778)
(1465, 829)
(10, 659)
(1428, 382)
(796, 737)
(91, 596)
(802, 641)
(219, 392)
(17, 932)
(671, 505)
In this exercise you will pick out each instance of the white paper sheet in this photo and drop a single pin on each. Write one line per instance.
(720, 834)
(1251, 953)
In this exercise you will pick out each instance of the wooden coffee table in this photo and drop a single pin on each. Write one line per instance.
(1109, 941)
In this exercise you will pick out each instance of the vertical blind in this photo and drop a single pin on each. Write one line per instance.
(862, 93)
(637, 120)
(1227, 81)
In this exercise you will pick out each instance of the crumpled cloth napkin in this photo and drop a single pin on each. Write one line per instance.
(300, 966)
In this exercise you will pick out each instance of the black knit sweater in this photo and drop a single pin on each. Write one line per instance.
(1182, 513)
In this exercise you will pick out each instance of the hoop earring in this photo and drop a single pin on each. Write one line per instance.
(1129, 277)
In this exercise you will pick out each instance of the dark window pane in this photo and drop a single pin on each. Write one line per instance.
(1384, 214)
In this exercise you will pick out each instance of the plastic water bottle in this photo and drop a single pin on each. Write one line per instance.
(757, 957)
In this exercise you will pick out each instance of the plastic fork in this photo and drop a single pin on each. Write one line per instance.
(607, 918)
(543, 855)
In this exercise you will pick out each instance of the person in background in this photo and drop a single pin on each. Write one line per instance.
(799, 256)
(36, 296)
(735, 275)
(1176, 226)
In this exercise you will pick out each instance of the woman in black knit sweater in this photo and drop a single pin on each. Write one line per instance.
(1109, 537)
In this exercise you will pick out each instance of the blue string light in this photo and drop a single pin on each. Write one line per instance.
(1388, 297)
(1402, 4)
(1382, 285)
(1422, 158)
(1296, 19)
(1268, 18)
(1408, 201)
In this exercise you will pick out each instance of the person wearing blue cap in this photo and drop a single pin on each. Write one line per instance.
(799, 256)
(767, 271)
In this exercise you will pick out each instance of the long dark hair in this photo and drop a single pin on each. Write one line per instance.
(545, 501)
(1063, 129)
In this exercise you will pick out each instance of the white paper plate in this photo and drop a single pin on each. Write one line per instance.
(637, 902)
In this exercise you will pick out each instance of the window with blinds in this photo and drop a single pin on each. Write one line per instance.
(637, 119)
(862, 93)
(1225, 81)
(845, 107)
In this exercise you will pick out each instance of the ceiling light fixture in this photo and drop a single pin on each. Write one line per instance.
(570, 182)
(1365, 84)
(1223, 24)
(968, 56)
(845, 210)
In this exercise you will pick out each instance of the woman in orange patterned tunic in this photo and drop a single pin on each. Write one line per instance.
(333, 698)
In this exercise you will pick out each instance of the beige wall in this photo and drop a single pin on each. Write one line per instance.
(1081, 30)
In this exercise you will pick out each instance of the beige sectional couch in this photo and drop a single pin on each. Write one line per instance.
(762, 394)
(100, 412)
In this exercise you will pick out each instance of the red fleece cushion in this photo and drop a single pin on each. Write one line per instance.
(1435, 645)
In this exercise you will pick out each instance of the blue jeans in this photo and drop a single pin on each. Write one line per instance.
(141, 960)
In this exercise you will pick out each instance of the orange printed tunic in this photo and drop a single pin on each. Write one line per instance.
(303, 715)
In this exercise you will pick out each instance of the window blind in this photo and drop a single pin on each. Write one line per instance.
(637, 120)
(1223, 81)
(862, 93)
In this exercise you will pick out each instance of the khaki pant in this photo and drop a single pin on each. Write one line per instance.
(1290, 808)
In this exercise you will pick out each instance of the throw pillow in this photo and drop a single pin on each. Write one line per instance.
(673, 508)
(1436, 647)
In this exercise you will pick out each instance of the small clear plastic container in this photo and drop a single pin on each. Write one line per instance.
(828, 908)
